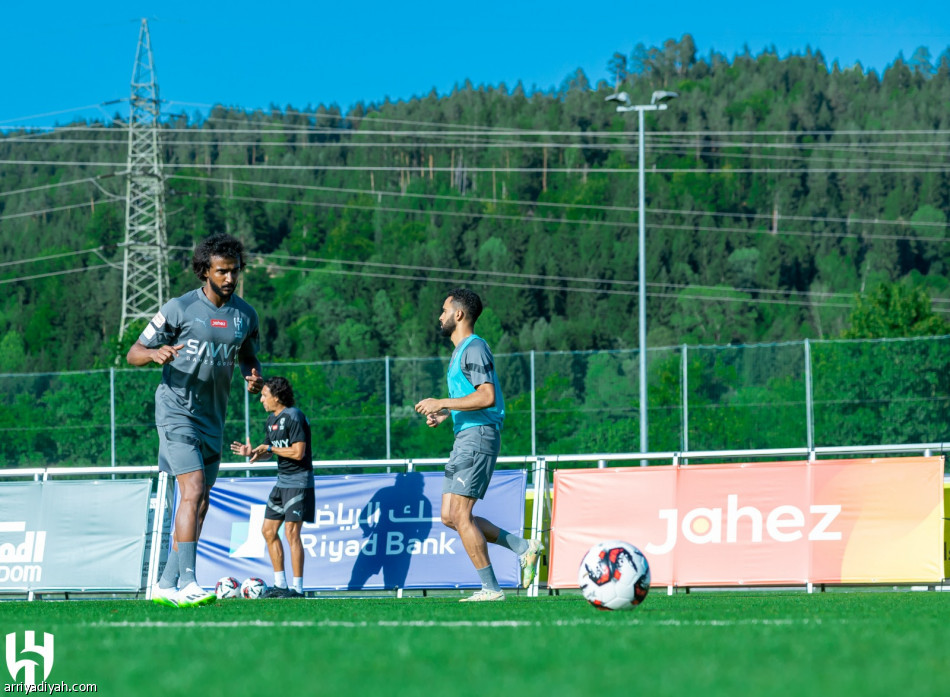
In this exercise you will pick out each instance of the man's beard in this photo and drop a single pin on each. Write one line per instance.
(219, 291)
(446, 329)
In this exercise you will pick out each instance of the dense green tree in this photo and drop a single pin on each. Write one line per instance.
(894, 310)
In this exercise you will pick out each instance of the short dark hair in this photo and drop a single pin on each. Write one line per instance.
(218, 245)
(281, 389)
(468, 300)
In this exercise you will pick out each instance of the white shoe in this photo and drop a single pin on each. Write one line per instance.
(529, 562)
(165, 596)
(194, 595)
(484, 595)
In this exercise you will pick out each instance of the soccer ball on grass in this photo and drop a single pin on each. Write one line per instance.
(253, 588)
(614, 575)
(227, 587)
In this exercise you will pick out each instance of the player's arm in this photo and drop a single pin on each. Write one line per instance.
(295, 451)
(140, 354)
(251, 365)
(482, 398)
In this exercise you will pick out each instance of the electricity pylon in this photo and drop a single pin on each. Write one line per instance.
(145, 265)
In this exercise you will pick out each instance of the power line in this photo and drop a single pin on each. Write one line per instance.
(543, 219)
(56, 273)
(72, 182)
(588, 222)
(547, 277)
(558, 204)
(33, 260)
(49, 113)
(530, 286)
(87, 204)
(424, 169)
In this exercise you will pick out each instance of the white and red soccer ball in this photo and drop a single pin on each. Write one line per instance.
(227, 587)
(253, 588)
(614, 575)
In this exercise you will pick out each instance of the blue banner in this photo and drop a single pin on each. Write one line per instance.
(372, 532)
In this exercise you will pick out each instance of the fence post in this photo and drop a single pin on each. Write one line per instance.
(247, 416)
(685, 439)
(809, 403)
(534, 433)
(388, 415)
(112, 412)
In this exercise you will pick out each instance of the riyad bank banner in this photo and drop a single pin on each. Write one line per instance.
(73, 536)
(372, 532)
(828, 521)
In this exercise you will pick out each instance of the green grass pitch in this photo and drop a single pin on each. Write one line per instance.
(703, 643)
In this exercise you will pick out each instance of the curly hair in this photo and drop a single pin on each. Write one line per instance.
(281, 389)
(218, 245)
(468, 300)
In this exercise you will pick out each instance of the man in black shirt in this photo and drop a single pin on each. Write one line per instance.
(291, 501)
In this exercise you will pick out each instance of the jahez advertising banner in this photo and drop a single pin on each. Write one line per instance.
(73, 536)
(372, 531)
(828, 521)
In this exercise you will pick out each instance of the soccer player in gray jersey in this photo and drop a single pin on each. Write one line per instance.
(197, 338)
(291, 501)
(477, 408)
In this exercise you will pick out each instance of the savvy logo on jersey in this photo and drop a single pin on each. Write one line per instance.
(209, 350)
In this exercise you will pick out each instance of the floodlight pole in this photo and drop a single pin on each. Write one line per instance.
(662, 97)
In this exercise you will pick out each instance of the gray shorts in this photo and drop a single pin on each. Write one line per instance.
(183, 449)
(472, 462)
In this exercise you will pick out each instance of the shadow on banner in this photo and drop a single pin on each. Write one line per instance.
(397, 512)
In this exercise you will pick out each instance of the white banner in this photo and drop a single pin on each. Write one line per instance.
(73, 536)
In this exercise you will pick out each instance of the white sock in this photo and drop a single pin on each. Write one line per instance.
(298, 584)
(280, 579)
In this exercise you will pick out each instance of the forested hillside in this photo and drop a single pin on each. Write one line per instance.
(778, 189)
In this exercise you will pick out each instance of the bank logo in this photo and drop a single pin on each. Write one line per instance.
(28, 665)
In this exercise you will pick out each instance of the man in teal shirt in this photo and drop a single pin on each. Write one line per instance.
(477, 407)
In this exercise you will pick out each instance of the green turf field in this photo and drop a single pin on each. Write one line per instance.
(705, 644)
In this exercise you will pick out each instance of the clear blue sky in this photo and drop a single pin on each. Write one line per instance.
(59, 56)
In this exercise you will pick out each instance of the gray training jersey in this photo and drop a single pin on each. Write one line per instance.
(195, 386)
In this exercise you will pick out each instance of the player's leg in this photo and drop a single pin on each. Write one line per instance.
(457, 509)
(192, 497)
(528, 551)
(468, 474)
(182, 452)
(457, 514)
(292, 532)
(275, 548)
(273, 518)
(163, 592)
(303, 510)
(212, 463)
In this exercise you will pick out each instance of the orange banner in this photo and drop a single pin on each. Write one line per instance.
(829, 521)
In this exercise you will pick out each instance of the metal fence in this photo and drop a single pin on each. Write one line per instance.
(803, 394)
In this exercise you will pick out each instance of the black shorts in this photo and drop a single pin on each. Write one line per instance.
(292, 505)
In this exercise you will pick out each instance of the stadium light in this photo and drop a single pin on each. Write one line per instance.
(658, 102)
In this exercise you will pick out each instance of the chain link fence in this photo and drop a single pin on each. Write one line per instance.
(795, 394)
